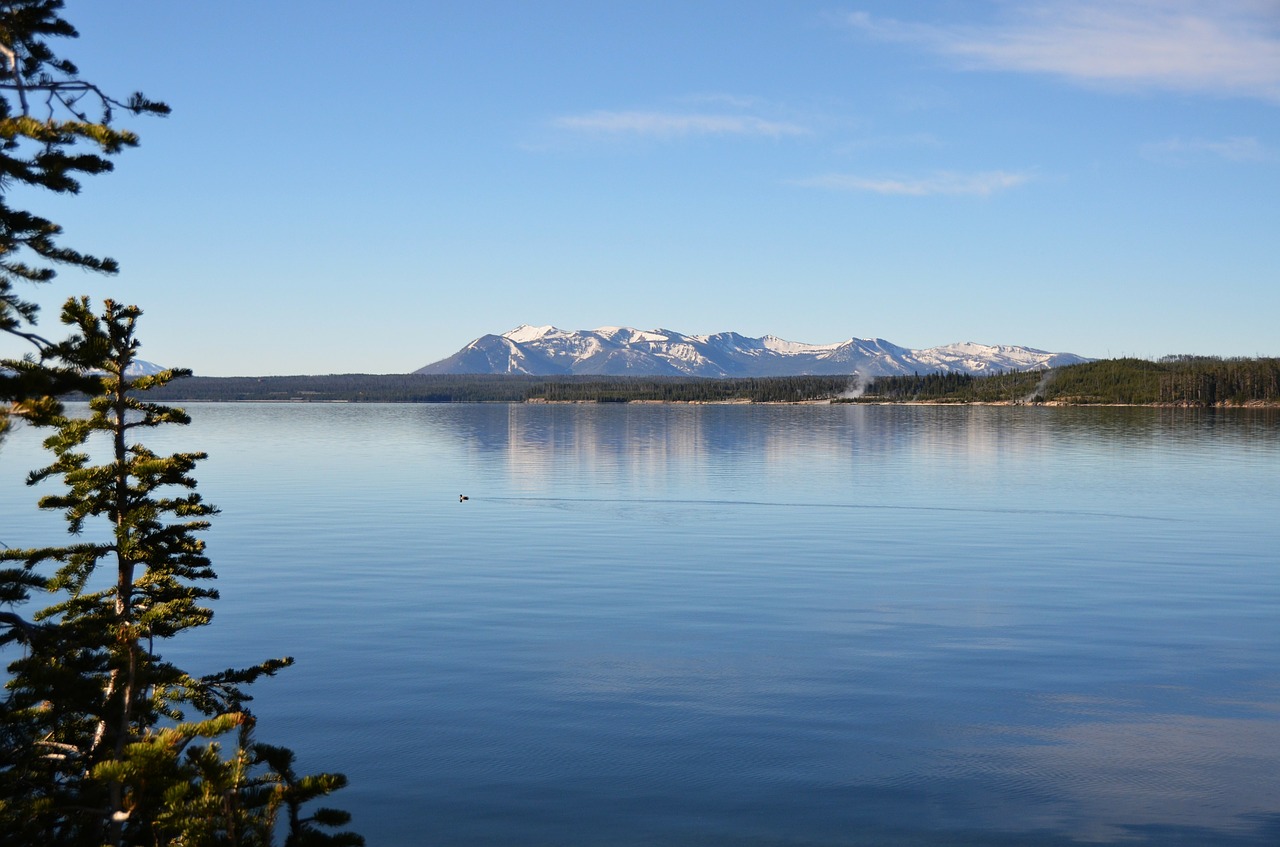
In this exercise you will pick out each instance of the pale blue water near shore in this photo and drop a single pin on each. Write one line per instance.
(753, 625)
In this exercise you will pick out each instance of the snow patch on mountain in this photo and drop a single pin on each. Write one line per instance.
(627, 335)
(781, 345)
(525, 333)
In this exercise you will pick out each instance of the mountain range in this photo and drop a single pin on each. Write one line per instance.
(624, 351)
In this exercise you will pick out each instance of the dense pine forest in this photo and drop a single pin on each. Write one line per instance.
(503, 388)
(1173, 380)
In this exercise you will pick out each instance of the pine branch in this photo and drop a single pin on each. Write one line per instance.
(23, 630)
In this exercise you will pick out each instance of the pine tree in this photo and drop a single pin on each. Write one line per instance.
(55, 128)
(104, 741)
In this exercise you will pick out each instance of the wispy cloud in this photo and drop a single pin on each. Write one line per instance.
(1229, 47)
(1236, 149)
(981, 184)
(676, 124)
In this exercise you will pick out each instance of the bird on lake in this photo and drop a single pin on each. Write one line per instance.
(462, 497)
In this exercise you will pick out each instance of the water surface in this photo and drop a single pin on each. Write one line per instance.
(753, 624)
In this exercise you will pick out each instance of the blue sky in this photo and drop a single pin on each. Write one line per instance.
(365, 187)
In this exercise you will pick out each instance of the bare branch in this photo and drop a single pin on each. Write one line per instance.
(61, 90)
(39, 341)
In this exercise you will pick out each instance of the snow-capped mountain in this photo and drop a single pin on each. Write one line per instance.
(141, 367)
(618, 351)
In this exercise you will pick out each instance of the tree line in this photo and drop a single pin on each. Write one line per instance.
(1210, 381)
(503, 388)
(1173, 380)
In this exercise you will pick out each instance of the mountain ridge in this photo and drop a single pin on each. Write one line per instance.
(625, 351)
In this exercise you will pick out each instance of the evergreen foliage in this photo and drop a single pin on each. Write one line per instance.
(104, 741)
(1210, 381)
(1178, 380)
(504, 388)
(1173, 380)
(777, 389)
(54, 128)
(935, 386)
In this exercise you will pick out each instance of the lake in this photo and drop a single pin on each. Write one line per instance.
(751, 625)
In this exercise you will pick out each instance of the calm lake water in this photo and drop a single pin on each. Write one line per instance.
(752, 625)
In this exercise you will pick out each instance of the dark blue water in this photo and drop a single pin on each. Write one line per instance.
(753, 625)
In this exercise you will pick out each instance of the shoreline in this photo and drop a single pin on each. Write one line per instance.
(537, 401)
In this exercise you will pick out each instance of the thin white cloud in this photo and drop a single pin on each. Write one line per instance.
(982, 184)
(1236, 149)
(1228, 47)
(676, 125)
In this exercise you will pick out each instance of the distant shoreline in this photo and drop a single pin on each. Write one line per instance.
(1054, 404)
(1199, 382)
